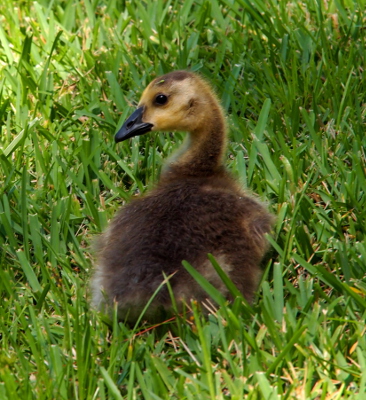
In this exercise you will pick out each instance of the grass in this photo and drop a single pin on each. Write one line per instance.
(291, 78)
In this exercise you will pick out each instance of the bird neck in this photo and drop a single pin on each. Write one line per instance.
(203, 151)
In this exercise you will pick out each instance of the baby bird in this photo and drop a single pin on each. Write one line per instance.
(196, 208)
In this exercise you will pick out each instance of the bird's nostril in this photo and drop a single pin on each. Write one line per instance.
(131, 124)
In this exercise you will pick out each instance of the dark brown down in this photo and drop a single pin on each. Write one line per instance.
(195, 209)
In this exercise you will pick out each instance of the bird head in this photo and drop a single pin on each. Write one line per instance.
(176, 101)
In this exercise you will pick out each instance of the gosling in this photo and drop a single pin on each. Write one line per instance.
(195, 209)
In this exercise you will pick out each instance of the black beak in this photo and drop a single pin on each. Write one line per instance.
(133, 126)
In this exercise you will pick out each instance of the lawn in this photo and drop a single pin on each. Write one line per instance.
(291, 78)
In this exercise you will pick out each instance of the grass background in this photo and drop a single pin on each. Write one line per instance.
(291, 78)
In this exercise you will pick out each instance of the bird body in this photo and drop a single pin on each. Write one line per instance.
(196, 208)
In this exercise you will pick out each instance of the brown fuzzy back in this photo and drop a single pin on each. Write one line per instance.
(183, 220)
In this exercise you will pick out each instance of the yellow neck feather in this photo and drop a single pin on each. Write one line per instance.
(203, 151)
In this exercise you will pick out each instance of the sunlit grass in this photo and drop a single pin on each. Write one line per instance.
(291, 79)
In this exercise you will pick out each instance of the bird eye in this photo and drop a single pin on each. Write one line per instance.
(161, 99)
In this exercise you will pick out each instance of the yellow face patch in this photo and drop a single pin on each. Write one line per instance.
(190, 101)
(175, 114)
